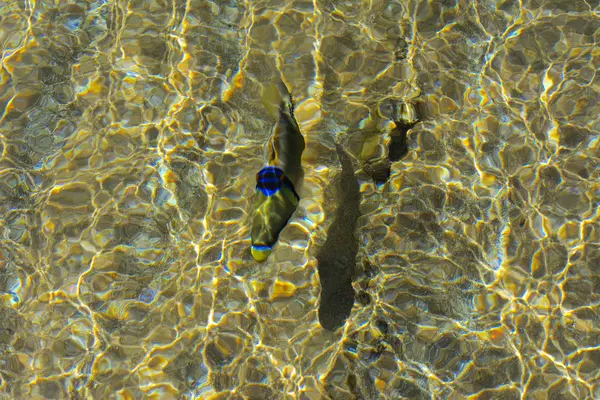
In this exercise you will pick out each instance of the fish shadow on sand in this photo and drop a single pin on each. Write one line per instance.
(337, 257)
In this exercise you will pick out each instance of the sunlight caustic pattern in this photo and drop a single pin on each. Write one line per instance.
(131, 132)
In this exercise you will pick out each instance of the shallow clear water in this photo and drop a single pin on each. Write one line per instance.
(131, 133)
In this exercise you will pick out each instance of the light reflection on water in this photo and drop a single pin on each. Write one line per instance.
(131, 133)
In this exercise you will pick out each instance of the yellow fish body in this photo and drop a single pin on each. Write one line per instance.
(274, 203)
(276, 198)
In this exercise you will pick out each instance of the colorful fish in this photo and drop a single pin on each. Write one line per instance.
(276, 198)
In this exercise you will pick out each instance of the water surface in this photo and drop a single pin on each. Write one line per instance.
(131, 133)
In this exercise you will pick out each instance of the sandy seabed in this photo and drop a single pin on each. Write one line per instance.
(131, 133)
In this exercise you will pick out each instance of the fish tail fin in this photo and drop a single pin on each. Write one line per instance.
(276, 98)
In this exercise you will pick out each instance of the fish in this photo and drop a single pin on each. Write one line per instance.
(406, 118)
(336, 259)
(276, 196)
(403, 117)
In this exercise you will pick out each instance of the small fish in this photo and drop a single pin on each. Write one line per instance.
(276, 197)
(406, 118)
